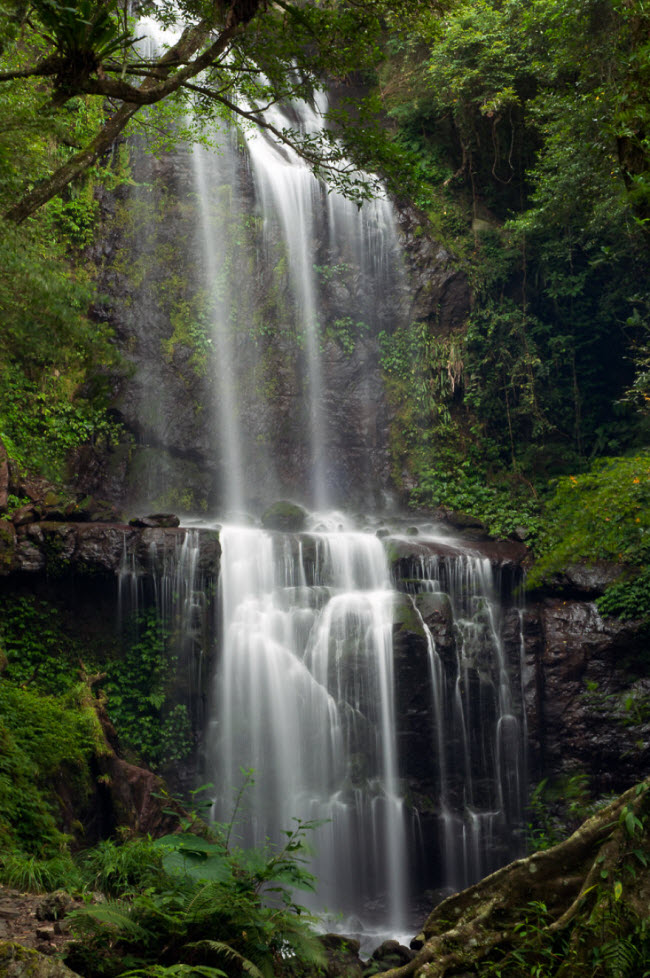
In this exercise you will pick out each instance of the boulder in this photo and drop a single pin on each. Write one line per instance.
(17, 961)
(55, 905)
(137, 798)
(24, 514)
(587, 580)
(342, 954)
(284, 515)
(158, 520)
(390, 954)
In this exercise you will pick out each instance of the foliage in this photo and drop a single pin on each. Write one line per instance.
(137, 684)
(627, 598)
(557, 808)
(29, 872)
(49, 724)
(508, 116)
(430, 437)
(49, 352)
(55, 361)
(236, 61)
(41, 737)
(205, 906)
(622, 952)
(40, 651)
(601, 514)
(121, 869)
(501, 507)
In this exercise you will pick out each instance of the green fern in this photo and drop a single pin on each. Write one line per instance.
(301, 942)
(228, 952)
(620, 958)
(116, 916)
(175, 971)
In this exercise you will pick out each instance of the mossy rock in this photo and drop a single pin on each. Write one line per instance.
(17, 961)
(434, 604)
(284, 515)
(405, 616)
(7, 547)
(91, 510)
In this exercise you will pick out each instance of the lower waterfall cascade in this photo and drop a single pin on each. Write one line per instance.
(370, 684)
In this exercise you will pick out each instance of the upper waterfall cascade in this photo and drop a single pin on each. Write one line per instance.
(279, 291)
(376, 694)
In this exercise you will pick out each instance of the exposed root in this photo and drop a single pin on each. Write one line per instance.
(568, 884)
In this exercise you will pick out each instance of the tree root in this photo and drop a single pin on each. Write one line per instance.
(566, 887)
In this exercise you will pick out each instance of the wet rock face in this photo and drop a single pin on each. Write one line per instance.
(587, 688)
(98, 548)
(441, 292)
(151, 264)
(415, 733)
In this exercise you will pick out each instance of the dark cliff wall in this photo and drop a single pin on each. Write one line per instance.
(154, 296)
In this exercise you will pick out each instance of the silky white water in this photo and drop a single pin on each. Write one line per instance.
(305, 697)
(479, 720)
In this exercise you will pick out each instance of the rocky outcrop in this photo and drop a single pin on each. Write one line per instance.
(587, 688)
(17, 961)
(408, 554)
(441, 292)
(583, 581)
(57, 548)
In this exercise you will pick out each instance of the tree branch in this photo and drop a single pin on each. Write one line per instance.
(151, 91)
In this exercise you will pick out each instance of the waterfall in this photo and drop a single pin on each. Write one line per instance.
(305, 697)
(216, 171)
(479, 719)
(375, 697)
(334, 271)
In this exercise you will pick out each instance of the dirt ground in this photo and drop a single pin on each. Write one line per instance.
(35, 920)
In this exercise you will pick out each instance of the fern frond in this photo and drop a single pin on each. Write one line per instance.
(302, 942)
(620, 958)
(175, 971)
(228, 952)
(115, 915)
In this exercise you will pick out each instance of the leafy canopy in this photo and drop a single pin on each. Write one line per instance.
(223, 60)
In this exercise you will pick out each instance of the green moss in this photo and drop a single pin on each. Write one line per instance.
(42, 738)
(7, 546)
(17, 961)
(406, 616)
(284, 515)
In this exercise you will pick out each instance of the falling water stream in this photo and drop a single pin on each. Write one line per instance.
(307, 687)
(305, 696)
